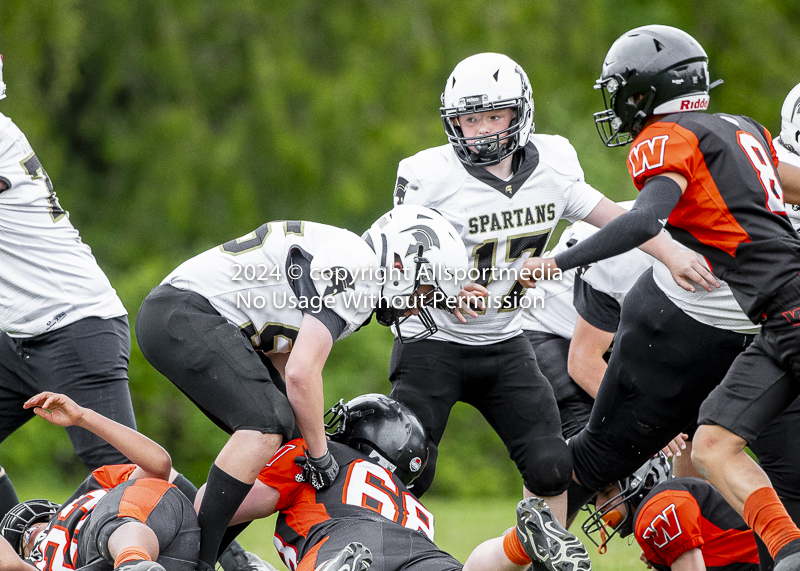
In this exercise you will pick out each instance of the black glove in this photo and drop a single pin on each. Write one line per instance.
(319, 472)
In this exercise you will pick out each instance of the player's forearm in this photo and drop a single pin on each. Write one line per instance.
(306, 397)
(587, 372)
(790, 181)
(138, 448)
(9, 560)
(691, 560)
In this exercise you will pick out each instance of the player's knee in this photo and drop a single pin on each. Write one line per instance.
(548, 466)
(712, 444)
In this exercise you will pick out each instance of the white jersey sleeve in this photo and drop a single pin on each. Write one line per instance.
(347, 278)
(501, 222)
(49, 277)
(247, 280)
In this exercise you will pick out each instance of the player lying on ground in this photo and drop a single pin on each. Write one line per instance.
(124, 517)
(380, 446)
(683, 524)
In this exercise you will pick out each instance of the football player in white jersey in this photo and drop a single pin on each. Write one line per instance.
(244, 331)
(504, 189)
(62, 326)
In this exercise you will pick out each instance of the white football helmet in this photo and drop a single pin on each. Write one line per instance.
(2, 85)
(416, 246)
(485, 82)
(790, 120)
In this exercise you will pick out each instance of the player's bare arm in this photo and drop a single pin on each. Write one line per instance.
(304, 382)
(261, 502)
(152, 460)
(585, 363)
(790, 181)
(691, 560)
(10, 561)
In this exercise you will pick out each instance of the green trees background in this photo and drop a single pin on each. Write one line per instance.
(170, 127)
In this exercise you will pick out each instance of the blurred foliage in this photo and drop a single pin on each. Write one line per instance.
(170, 127)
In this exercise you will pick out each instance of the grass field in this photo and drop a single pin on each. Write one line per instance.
(460, 525)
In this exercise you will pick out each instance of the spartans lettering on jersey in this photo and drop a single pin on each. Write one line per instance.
(516, 218)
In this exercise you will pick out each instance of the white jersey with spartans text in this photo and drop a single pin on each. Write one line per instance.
(501, 222)
(48, 277)
(247, 279)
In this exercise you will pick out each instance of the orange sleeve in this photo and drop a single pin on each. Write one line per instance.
(668, 525)
(280, 472)
(110, 476)
(663, 147)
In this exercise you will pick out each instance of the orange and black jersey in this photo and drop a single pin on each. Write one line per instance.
(58, 550)
(732, 211)
(362, 490)
(684, 513)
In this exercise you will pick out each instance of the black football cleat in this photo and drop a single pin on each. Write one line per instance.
(546, 542)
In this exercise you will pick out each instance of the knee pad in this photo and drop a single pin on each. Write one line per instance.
(548, 466)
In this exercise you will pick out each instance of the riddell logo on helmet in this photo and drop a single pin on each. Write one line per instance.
(694, 105)
(415, 464)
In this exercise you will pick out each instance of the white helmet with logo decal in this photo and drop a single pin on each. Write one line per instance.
(417, 247)
(487, 82)
(790, 121)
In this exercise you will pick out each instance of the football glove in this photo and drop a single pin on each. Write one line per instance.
(319, 472)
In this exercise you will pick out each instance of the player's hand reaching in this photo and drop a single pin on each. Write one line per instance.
(675, 445)
(319, 472)
(56, 408)
(687, 270)
(469, 299)
(536, 268)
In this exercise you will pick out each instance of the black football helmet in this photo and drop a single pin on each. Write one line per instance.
(385, 430)
(633, 489)
(22, 516)
(665, 66)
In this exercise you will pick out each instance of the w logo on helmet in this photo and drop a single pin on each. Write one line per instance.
(425, 236)
(341, 280)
